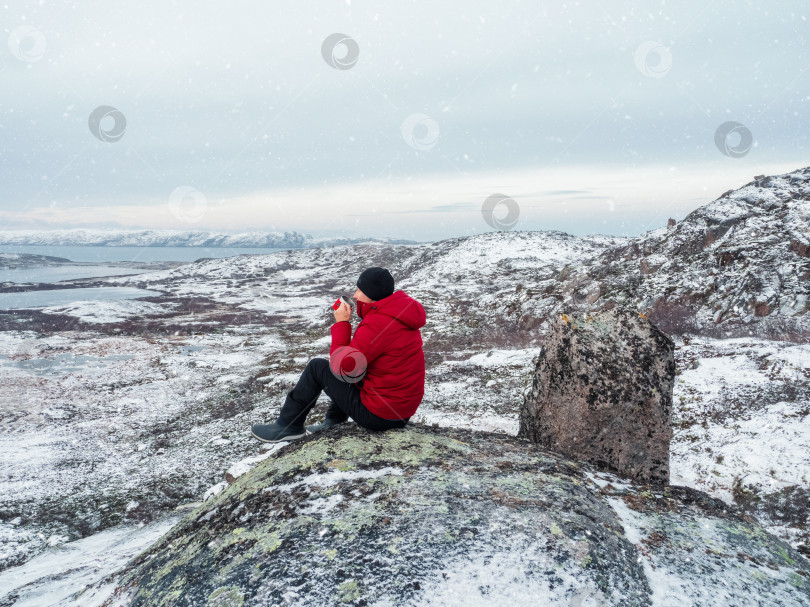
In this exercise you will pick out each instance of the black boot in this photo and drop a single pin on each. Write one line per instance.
(289, 425)
(334, 416)
(276, 432)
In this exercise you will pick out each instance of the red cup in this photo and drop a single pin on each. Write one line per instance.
(340, 300)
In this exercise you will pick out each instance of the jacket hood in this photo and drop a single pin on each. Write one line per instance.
(402, 307)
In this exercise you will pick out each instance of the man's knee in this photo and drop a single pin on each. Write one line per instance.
(316, 367)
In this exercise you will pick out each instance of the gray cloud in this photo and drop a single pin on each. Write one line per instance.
(236, 99)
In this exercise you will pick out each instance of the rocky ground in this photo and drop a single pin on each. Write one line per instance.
(426, 516)
(119, 414)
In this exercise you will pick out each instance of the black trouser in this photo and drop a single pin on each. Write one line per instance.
(345, 397)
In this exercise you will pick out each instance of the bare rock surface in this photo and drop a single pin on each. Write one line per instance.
(602, 392)
(429, 516)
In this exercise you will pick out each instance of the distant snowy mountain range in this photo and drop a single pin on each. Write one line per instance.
(176, 238)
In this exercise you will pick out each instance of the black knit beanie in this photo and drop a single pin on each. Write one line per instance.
(376, 283)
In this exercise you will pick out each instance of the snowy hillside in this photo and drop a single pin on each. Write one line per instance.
(737, 266)
(120, 414)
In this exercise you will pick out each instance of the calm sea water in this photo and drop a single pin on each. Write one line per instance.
(99, 254)
(61, 297)
(59, 273)
(53, 274)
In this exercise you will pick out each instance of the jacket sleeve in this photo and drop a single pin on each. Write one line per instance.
(341, 335)
(367, 340)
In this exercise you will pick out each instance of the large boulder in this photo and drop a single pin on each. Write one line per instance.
(602, 392)
(429, 516)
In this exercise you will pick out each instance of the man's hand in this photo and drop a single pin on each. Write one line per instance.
(344, 312)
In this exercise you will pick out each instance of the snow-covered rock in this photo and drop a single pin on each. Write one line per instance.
(425, 516)
(737, 266)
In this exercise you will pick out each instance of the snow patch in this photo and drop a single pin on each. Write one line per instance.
(57, 575)
(334, 476)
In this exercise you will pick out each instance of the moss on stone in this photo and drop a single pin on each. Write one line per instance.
(341, 464)
(455, 493)
(349, 591)
(331, 553)
(784, 554)
(226, 596)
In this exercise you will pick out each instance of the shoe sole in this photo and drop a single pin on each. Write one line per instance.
(279, 440)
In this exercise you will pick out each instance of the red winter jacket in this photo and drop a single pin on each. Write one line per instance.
(390, 344)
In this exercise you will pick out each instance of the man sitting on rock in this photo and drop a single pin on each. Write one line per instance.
(376, 377)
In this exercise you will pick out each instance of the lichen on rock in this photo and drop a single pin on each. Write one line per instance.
(602, 393)
(425, 515)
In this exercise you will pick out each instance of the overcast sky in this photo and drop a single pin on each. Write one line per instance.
(593, 117)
